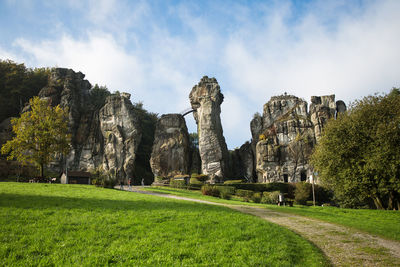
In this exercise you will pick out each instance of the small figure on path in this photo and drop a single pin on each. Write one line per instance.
(281, 200)
(129, 184)
(121, 185)
(142, 181)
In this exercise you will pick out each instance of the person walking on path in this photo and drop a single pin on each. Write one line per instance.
(129, 184)
(142, 181)
(121, 184)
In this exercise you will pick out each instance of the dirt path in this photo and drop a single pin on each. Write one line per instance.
(342, 245)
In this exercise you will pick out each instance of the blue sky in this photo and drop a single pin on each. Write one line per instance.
(157, 50)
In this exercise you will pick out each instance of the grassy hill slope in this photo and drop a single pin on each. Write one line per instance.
(45, 224)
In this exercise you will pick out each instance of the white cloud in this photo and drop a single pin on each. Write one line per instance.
(332, 47)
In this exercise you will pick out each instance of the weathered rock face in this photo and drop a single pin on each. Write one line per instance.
(322, 108)
(206, 99)
(121, 132)
(171, 148)
(288, 133)
(106, 138)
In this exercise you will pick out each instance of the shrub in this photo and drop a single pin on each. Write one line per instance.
(109, 183)
(159, 178)
(256, 197)
(246, 195)
(302, 193)
(233, 182)
(262, 187)
(201, 177)
(195, 181)
(225, 192)
(210, 190)
(195, 184)
(177, 183)
(270, 197)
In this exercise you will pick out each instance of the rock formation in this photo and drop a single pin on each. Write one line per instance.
(283, 137)
(171, 148)
(105, 138)
(206, 99)
(110, 134)
(322, 108)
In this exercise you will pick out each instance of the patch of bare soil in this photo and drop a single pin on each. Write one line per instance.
(343, 246)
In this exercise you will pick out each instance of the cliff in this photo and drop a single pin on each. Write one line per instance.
(284, 136)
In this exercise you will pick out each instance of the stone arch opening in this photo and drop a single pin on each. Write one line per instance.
(303, 176)
(285, 178)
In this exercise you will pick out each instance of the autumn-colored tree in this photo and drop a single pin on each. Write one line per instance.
(40, 134)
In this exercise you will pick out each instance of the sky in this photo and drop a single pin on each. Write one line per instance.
(158, 50)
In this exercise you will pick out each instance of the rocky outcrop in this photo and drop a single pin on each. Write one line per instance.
(322, 108)
(206, 99)
(120, 129)
(171, 148)
(288, 134)
(105, 138)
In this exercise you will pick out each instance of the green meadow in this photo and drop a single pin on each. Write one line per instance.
(53, 224)
(384, 223)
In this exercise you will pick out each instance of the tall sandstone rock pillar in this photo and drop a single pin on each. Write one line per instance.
(206, 99)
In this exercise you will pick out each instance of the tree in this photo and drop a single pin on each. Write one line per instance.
(358, 155)
(17, 85)
(39, 134)
(98, 95)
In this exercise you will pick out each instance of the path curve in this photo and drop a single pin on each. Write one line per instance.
(342, 245)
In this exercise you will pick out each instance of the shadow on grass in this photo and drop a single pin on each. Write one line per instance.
(90, 204)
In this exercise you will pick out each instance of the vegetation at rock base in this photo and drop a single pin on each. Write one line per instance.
(358, 155)
(302, 192)
(385, 223)
(40, 134)
(51, 224)
(17, 85)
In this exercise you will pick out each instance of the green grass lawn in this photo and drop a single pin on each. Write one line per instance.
(52, 224)
(384, 223)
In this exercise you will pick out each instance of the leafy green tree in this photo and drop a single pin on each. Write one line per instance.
(358, 155)
(39, 134)
(98, 95)
(148, 121)
(17, 85)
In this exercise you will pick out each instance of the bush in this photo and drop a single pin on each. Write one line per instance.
(262, 187)
(233, 182)
(270, 197)
(246, 195)
(302, 193)
(200, 177)
(109, 183)
(194, 183)
(225, 192)
(177, 183)
(210, 190)
(256, 197)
